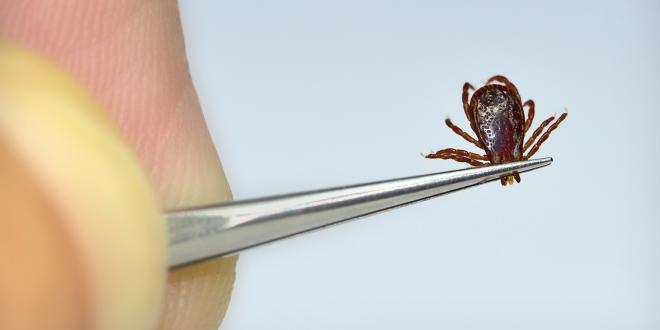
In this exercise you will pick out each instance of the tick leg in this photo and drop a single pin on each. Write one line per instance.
(537, 132)
(462, 153)
(546, 135)
(530, 114)
(505, 81)
(508, 180)
(466, 107)
(517, 177)
(462, 133)
(456, 158)
(466, 101)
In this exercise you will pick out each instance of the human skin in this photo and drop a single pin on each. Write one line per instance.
(130, 55)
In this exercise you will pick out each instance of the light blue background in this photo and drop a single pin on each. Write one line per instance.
(309, 94)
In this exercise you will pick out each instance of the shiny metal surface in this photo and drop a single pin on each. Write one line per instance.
(224, 229)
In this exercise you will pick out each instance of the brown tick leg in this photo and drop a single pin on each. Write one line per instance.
(506, 82)
(462, 133)
(466, 107)
(546, 135)
(508, 180)
(466, 101)
(456, 158)
(462, 153)
(537, 132)
(530, 114)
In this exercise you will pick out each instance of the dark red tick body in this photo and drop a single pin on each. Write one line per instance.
(496, 116)
(500, 122)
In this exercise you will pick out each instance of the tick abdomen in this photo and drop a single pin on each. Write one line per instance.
(500, 122)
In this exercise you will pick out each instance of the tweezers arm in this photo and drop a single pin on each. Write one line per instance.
(225, 229)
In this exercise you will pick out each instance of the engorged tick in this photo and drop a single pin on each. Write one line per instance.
(496, 116)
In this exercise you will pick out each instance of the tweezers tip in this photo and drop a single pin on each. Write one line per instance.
(545, 160)
(537, 162)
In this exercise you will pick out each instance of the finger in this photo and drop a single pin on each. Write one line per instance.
(71, 190)
(131, 55)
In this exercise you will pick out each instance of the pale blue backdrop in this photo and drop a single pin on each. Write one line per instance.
(309, 94)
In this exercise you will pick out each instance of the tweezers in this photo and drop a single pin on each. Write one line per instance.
(224, 229)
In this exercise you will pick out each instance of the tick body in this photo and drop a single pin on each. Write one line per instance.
(496, 116)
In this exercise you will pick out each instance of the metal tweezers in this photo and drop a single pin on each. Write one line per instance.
(219, 230)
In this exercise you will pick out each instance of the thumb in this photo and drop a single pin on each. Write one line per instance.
(78, 211)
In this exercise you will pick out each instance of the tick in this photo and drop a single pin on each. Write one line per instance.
(496, 116)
